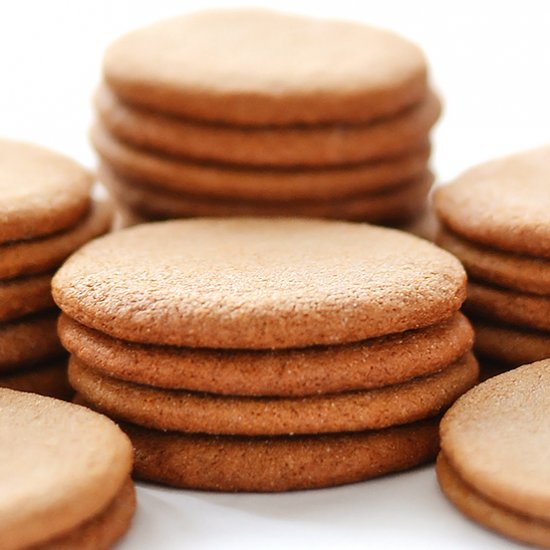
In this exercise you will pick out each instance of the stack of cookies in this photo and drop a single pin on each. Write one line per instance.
(496, 219)
(251, 112)
(45, 214)
(494, 454)
(267, 355)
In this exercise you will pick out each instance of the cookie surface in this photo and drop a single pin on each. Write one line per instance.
(207, 413)
(258, 283)
(330, 369)
(26, 295)
(397, 204)
(334, 145)
(253, 66)
(509, 307)
(49, 378)
(29, 340)
(61, 465)
(40, 191)
(510, 345)
(224, 463)
(514, 271)
(496, 438)
(504, 203)
(39, 255)
(257, 184)
(487, 513)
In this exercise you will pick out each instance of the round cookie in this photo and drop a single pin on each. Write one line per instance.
(502, 204)
(258, 67)
(397, 204)
(232, 182)
(510, 345)
(496, 439)
(258, 283)
(487, 513)
(509, 307)
(295, 372)
(334, 145)
(40, 255)
(41, 192)
(63, 465)
(48, 379)
(514, 271)
(184, 411)
(20, 297)
(26, 341)
(260, 464)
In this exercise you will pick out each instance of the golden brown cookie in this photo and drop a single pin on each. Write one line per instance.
(295, 372)
(508, 307)
(233, 182)
(397, 204)
(334, 145)
(496, 439)
(253, 66)
(258, 283)
(502, 204)
(63, 465)
(184, 411)
(20, 297)
(263, 464)
(40, 191)
(514, 271)
(43, 254)
(510, 345)
(29, 340)
(48, 378)
(488, 513)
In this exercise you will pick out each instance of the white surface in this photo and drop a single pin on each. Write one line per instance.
(491, 63)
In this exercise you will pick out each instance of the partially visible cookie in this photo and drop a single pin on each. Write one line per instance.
(252, 66)
(333, 145)
(207, 413)
(41, 192)
(503, 204)
(294, 372)
(258, 283)
(20, 297)
(62, 465)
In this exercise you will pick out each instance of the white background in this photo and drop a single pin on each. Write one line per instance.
(491, 63)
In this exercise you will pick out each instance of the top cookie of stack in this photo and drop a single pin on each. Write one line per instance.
(254, 112)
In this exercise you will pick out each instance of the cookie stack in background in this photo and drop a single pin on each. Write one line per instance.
(252, 112)
(45, 214)
(267, 355)
(496, 219)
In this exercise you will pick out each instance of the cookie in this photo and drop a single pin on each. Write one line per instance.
(63, 465)
(334, 145)
(26, 341)
(48, 378)
(41, 192)
(488, 513)
(509, 307)
(19, 297)
(43, 254)
(399, 203)
(258, 283)
(425, 225)
(510, 345)
(296, 372)
(185, 411)
(496, 439)
(514, 271)
(260, 464)
(502, 204)
(258, 67)
(231, 182)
